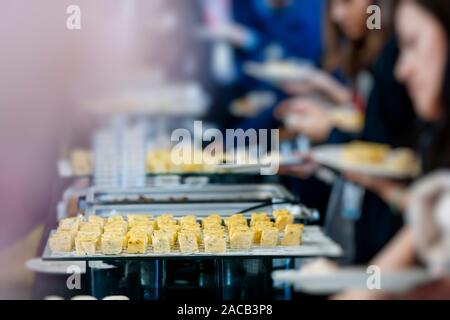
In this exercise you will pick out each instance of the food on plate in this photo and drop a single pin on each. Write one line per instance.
(292, 235)
(360, 152)
(86, 243)
(137, 242)
(188, 242)
(269, 237)
(161, 242)
(134, 234)
(111, 243)
(215, 243)
(241, 239)
(347, 119)
(61, 241)
(282, 219)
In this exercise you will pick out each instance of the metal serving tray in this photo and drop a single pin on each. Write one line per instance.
(189, 193)
(314, 244)
(181, 209)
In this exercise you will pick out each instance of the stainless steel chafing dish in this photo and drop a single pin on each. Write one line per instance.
(190, 193)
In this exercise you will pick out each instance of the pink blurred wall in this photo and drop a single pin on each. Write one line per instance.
(45, 71)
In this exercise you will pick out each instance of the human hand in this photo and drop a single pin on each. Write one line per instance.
(306, 116)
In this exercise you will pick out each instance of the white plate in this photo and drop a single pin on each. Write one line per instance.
(331, 156)
(54, 267)
(351, 278)
(277, 72)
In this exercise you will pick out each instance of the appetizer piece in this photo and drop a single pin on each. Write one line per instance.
(282, 219)
(97, 220)
(71, 225)
(188, 242)
(137, 242)
(269, 237)
(292, 235)
(191, 219)
(86, 243)
(161, 242)
(61, 241)
(111, 243)
(215, 243)
(259, 217)
(241, 239)
(91, 227)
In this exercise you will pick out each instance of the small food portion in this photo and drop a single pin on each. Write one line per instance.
(137, 242)
(292, 235)
(382, 156)
(347, 119)
(61, 241)
(360, 152)
(161, 242)
(141, 234)
(188, 242)
(86, 243)
(269, 237)
(241, 239)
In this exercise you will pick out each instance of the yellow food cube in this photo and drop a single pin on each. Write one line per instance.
(161, 242)
(259, 217)
(269, 237)
(91, 227)
(71, 225)
(98, 220)
(281, 212)
(172, 235)
(215, 243)
(115, 218)
(86, 243)
(188, 242)
(112, 243)
(241, 239)
(137, 242)
(119, 226)
(61, 241)
(292, 235)
(283, 220)
(191, 219)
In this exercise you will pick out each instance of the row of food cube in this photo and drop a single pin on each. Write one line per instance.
(133, 235)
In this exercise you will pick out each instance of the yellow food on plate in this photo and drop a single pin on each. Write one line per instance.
(137, 242)
(258, 229)
(111, 243)
(292, 235)
(283, 220)
(269, 237)
(215, 243)
(61, 241)
(191, 219)
(86, 243)
(258, 217)
(160, 242)
(188, 242)
(403, 159)
(71, 225)
(91, 227)
(241, 239)
(98, 220)
(360, 152)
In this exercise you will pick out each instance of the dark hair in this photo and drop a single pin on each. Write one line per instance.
(435, 141)
(354, 56)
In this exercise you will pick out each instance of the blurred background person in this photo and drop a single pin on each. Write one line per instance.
(424, 30)
(360, 221)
